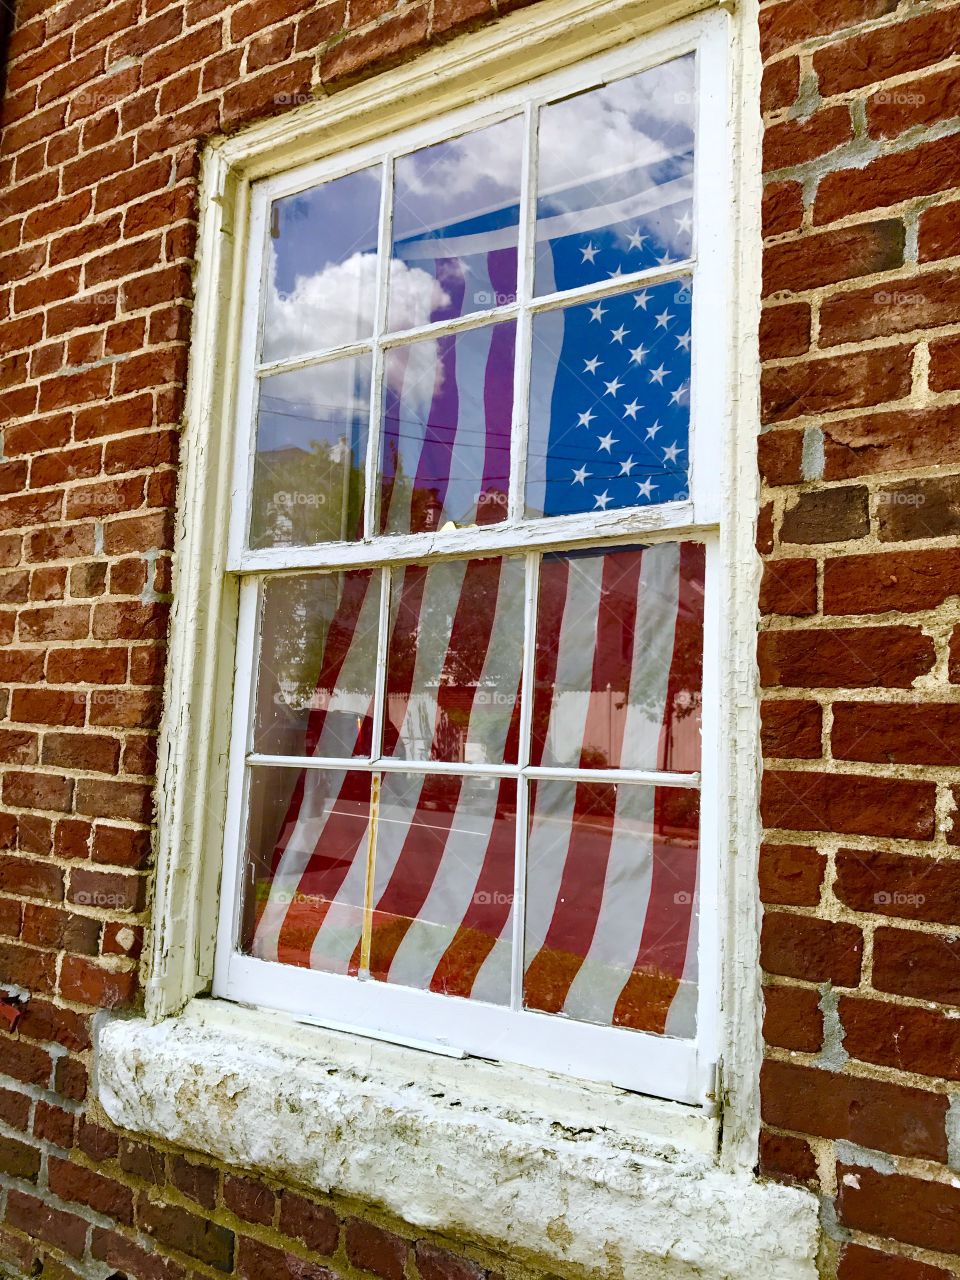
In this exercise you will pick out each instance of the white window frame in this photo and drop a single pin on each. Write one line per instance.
(178, 963)
(660, 1065)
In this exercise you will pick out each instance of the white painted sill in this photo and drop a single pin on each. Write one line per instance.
(549, 1171)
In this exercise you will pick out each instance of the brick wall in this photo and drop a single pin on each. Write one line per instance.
(105, 111)
(860, 648)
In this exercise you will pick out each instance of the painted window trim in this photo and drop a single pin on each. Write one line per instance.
(195, 732)
(664, 1066)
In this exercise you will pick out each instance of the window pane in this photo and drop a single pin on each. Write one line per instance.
(311, 443)
(318, 657)
(615, 182)
(448, 405)
(453, 670)
(455, 219)
(619, 659)
(443, 884)
(322, 251)
(611, 905)
(306, 861)
(610, 403)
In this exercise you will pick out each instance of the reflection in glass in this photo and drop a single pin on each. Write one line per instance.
(447, 410)
(611, 905)
(615, 180)
(305, 866)
(455, 220)
(453, 668)
(311, 443)
(619, 659)
(609, 423)
(318, 655)
(322, 250)
(443, 884)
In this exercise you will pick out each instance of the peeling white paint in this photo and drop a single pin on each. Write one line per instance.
(458, 1163)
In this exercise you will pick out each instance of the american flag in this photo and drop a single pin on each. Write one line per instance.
(611, 870)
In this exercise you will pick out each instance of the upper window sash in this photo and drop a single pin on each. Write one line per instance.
(709, 265)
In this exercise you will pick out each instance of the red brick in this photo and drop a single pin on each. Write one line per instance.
(55, 1226)
(926, 169)
(848, 657)
(198, 1181)
(849, 804)
(897, 441)
(828, 257)
(270, 92)
(18, 1160)
(904, 582)
(897, 305)
(795, 142)
(257, 1261)
(790, 729)
(854, 381)
(792, 1019)
(60, 930)
(385, 46)
(789, 588)
(939, 230)
(109, 798)
(85, 982)
(129, 1258)
(922, 965)
(48, 706)
(782, 207)
(782, 25)
(826, 515)
(103, 665)
(206, 1241)
(372, 1249)
(315, 1225)
(249, 1200)
(37, 791)
(860, 1263)
(923, 1041)
(434, 1263)
(913, 1210)
(787, 1158)
(873, 1114)
(784, 331)
(780, 84)
(893, 49)
(796, 946)
(893, 884)
(54, 1124)
(791, 875)
(894, 733)
(73, 1182)
(780, 455)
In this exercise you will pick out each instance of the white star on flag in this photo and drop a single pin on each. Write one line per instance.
(627, 467)
(657, 375)
(637, 354)
(645, 489)
(684, 224)
(618, 335)
(632, 409)
(637, 240)
(663, 319)
(606, 442)
(652, 431)
(584, 419)
(683, 340)
(581, 476)
(591, 366)
(590, 252)
(670, 453)
(614, 386)
(677, 396)
(597, 312)
(641, 299)
(602, 500)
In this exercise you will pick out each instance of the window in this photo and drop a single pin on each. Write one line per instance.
(472, 792)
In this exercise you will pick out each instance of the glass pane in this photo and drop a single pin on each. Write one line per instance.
(615, 182)
(443, 885)
(311, 444)
(447, 408)
(321, 282)
(610, 403)
(619, 659)
(453, 668)
(455, 220)
(611, 905)
(317, 664)
(306, 861)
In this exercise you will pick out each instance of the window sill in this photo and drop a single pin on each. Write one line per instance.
(463, 1147)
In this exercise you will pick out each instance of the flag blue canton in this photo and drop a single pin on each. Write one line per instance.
(612, 405)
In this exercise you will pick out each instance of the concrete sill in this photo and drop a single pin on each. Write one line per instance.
(551, 1172)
